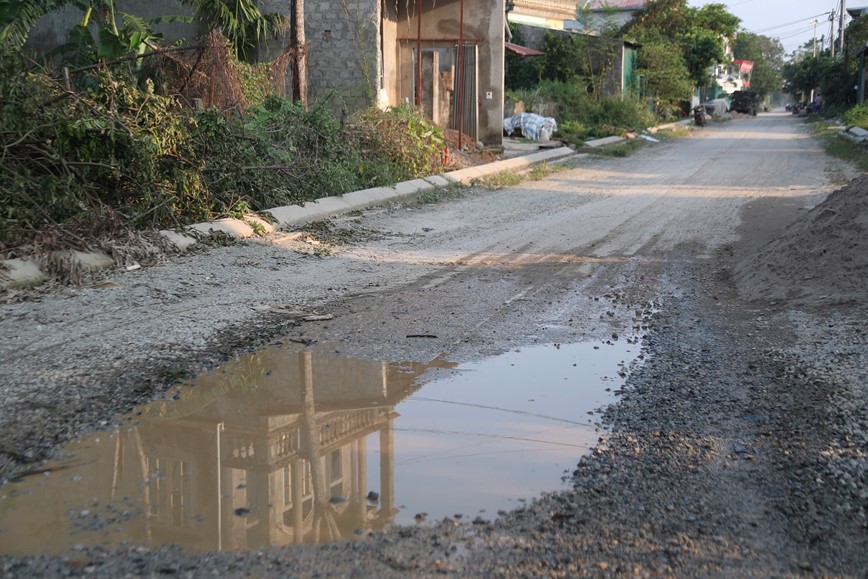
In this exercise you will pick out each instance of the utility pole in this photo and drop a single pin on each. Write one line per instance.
(815, 21)
(841, 27)
(832, 32)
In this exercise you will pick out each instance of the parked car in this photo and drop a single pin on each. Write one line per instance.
(745, 101)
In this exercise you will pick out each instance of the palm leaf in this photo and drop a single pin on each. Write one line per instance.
(18, 17)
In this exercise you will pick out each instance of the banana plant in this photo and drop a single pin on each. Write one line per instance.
(240, 21)
(98, 35)
(18, 17)
(134, 37)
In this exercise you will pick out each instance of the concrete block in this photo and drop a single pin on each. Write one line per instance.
(669, 126)
(410, 187)
(256, 220)
(20, 273)
(515, 164)
(234, 227)
(181, 241)
(858, 134)
(604, 141)
(438, 180)
(92, 260)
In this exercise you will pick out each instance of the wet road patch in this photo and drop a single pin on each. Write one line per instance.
(285, 446)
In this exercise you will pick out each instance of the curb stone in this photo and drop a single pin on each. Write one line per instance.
(857, 134)
(17, 273)
(594, 143)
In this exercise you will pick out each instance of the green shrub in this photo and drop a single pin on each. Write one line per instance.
(857, 116)
(582, 115)
(399, 139)
(67, 156)
(255, 81)
(122, 149)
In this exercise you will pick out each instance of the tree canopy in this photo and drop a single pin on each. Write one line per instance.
(767, 55)
(699, 34)
(833, 77)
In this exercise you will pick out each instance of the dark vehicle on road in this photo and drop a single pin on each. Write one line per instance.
(745, 101)
(699, 115)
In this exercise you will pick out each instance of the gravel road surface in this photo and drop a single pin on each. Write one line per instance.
(737, 449)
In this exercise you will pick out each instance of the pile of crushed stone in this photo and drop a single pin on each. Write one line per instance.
(822, 257)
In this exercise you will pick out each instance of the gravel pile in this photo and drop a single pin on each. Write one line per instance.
(738, 449)
(823, 256)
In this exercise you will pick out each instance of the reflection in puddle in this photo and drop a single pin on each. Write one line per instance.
(230, 464)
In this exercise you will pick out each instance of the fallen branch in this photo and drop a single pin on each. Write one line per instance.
(132, 57)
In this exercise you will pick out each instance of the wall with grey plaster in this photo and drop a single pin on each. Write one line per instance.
(52, 29)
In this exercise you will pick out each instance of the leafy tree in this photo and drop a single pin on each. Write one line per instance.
(666, 18)
(767, 57)
(855, 38)
(102, 34)
(698, 33)
(716, 18)
(702, 49)
(664, 75)
(822, 73)
(240, 21)
(565, 57)
(521, 72)
(834, 78)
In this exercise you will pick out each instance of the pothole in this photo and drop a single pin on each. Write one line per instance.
(227, 463)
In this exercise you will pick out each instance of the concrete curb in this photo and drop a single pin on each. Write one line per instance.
(27, 272)
(857, 134)
(594, 143)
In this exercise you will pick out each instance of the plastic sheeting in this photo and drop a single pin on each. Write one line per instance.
(532, 126)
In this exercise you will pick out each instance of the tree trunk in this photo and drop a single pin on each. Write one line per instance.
(299, 63)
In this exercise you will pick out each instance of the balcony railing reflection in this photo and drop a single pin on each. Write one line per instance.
(279, 457)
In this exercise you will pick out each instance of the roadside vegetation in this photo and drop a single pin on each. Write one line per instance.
(513, 178)
(572, 80)
(562, 83)
(122, 133)
(836, 143)
(834, 76)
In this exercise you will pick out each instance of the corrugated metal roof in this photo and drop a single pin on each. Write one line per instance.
(522, 50)
(617, 4)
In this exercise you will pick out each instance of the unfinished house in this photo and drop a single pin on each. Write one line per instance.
(444, 55)
(448, 57)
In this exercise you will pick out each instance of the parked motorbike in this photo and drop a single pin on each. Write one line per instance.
(699, 115)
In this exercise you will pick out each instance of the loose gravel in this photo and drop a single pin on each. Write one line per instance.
(737, 449)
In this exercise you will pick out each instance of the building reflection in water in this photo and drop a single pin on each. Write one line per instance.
(269, 450)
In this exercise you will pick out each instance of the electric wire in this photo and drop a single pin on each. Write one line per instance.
(793, 23)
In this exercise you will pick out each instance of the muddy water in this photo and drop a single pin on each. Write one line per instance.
(286, 446)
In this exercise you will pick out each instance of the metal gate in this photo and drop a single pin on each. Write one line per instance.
(467, 92)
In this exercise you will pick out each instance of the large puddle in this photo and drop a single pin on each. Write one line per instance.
(283, 447)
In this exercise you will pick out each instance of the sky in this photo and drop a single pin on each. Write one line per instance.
(787, 20)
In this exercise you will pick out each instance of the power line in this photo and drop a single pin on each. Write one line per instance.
(800, 21)
(794, 34)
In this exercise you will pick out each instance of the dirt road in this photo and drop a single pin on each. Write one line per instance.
(738, 448)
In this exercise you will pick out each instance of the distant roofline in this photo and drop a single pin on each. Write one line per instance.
(619, 5)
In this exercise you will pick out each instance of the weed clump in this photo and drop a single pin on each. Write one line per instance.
(118, 145)
(857, 116)
(582, 115)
